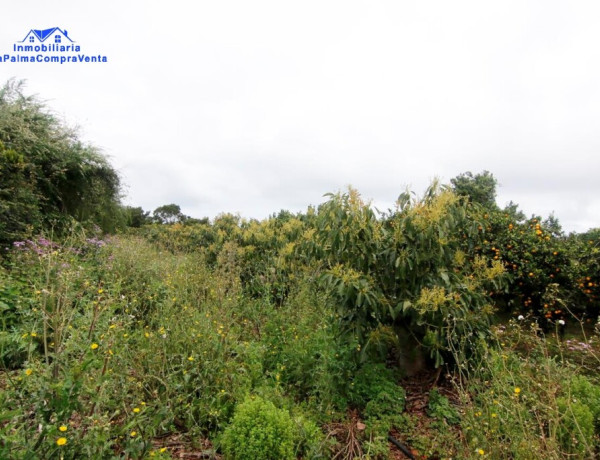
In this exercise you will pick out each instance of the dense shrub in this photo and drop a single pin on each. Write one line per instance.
(375, 390)
(47, 175)
(259, 430)
(439, 407)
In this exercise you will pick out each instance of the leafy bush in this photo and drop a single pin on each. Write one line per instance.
(576, 428)
(589, 394)
(439, 407)
(579, 412)
(374, 384)
(259, 430)
(47, 175)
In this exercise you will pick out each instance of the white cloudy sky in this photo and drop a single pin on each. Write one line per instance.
(255, 106)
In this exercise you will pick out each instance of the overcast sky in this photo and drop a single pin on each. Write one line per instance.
(254, 106)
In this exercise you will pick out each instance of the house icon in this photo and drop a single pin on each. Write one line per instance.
(53, 35)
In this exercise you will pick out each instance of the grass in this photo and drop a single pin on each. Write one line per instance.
(117, 349)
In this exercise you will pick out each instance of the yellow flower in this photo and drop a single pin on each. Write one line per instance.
(93, 346)
(62, 428)
(163, 449)
(100, 291)
(136, 409)
(28, 372)
(61, 441)
(33, 334)
(191, 358)
(481, 451)
(517, 390)
(133, 434)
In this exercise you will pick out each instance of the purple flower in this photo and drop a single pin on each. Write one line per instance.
(96, 242)
(44, 242)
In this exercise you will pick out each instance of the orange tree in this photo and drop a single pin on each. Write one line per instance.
(549, 276)
(536, 261)
(585, 271)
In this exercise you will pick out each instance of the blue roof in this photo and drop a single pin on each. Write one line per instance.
(43, 34)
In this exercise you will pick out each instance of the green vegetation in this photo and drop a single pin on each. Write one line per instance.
(47, 176)
(461, 329)
(259, 430)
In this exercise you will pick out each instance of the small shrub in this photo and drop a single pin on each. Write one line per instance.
(309, 438)
(375, 383)
(579, 415)
(439, 407)
(576, 428)
(386, 403)
(589, 394)
(259, 430)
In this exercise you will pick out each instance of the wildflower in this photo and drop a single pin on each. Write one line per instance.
(163, 449)
(61, 441)
(133, 434)
(191, 358)
(521, 318)
(28, 372)
(93, 346)
(481, 451)
(62, 428)
(517, 391)
(136, 410)
(33, 334)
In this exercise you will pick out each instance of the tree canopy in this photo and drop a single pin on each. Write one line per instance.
(479, 188)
